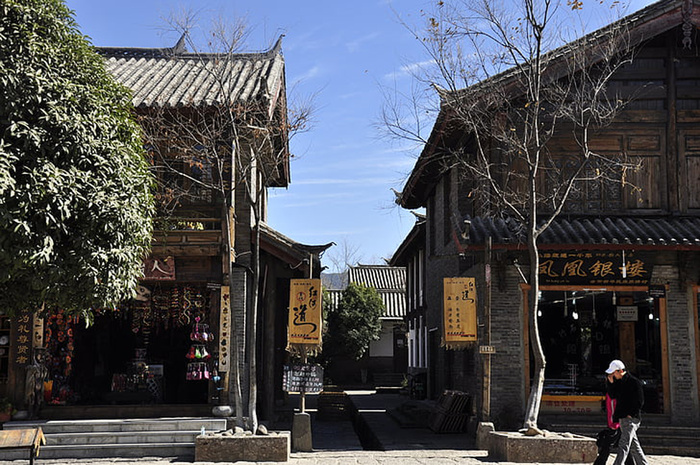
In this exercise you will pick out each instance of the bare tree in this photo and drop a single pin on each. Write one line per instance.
(511, 91)
(223, 153)
(344, 256)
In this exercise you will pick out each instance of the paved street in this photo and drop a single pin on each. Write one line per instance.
(335, 443)
(408, 457)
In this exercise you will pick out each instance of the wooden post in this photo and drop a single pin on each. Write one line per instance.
(628, 351)
(304, 355)
(486, 385)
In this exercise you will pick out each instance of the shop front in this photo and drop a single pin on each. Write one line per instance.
(594, 307)
(160, 348)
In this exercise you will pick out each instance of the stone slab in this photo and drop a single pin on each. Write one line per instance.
(274, 447)
(551, 448)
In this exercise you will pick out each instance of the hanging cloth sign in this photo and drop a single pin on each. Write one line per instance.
(304, 328)
(225, 330)
(459, 312)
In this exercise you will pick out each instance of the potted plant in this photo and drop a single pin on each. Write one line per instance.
(6, 409)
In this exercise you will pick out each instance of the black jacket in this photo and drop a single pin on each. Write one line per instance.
(629, 393)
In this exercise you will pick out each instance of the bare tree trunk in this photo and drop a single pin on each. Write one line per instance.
(533, 404)
(253, 322)
(235, 373)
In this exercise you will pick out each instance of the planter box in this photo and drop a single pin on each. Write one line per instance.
(274, 447)
(552, 448)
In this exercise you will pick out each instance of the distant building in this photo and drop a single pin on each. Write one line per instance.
(387, 359)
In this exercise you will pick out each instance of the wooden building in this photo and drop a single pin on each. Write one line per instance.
(168, 351)
(634, 295)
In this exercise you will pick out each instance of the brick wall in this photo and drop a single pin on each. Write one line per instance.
(681, 346)
(507, 374)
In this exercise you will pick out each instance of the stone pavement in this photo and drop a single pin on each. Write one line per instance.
(335, 443)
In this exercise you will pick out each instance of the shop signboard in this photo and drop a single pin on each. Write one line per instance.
(159, 269)
(304, 328)
(225, 330)
(303, 378)
(459, 312)
(598, 268)
(657, 291)
(22, 354)
(572, 404)
(627, 313)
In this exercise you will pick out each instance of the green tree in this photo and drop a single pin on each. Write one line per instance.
(355, 323)
(75, 199)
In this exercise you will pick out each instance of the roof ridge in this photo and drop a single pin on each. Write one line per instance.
(179, 50)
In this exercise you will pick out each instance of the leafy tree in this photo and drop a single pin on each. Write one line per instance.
(75, 200)
(355, 323)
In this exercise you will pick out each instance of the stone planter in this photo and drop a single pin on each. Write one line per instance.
(274, 447)
(550, 448)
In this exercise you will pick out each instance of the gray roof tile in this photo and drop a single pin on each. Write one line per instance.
(174, 78)
(659, 231)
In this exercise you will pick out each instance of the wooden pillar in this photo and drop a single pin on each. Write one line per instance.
(628, 352)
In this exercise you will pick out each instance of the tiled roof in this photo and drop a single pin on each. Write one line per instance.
(380, 277)
(389, 281)
(171, 77)
(661, 231)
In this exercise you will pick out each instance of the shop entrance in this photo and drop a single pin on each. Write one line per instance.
(582, 330)
(144, 353)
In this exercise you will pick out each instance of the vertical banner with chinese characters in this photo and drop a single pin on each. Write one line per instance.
(304, 328)
(459, 312)
(22, 354)
(225, 330)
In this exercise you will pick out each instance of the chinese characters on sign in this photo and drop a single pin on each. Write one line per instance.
(302, 378)
(593, 267)
(23, 346)
(225, 329)
(305, 313)
(159, 269)
(459, 311)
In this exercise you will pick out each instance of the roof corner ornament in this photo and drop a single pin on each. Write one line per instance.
(687, 11)
(181, 45)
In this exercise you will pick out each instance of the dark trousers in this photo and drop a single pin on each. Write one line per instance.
(607, 440)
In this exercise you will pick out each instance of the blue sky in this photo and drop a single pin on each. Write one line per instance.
(343, 169)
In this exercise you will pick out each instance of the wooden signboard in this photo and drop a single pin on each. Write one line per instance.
(459, 312)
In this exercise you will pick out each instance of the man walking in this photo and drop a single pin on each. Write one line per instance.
(629, 393)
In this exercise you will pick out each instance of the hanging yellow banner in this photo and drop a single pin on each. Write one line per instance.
(459, 312)
(305, 323)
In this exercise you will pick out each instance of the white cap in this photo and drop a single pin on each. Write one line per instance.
(614, 366)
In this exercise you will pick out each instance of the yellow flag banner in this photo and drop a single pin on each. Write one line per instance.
(459, 312)
(305, 323)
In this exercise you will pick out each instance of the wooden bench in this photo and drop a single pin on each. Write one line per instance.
(30, 439)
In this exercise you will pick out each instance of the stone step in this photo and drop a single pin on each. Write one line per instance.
(121, 437)
(120, 425)
(156, 437)
(77, 451)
